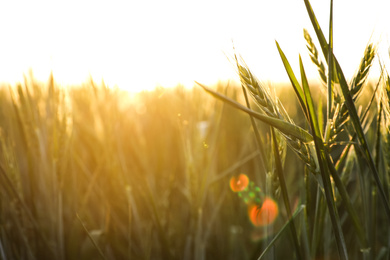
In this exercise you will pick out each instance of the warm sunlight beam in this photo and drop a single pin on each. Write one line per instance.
(142, 44)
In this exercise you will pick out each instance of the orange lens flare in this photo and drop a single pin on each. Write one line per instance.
(264, 215)
(239, 183)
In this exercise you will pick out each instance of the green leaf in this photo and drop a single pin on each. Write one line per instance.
(319, 145)
(259, 142)
(283, 126)
(283, 186)
(281, 231)
(330, 62)
(293, 80)
(317, 28)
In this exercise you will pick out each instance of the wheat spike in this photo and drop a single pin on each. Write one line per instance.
(314, 56)
(275, 109)
(362, 74)
(356, 84)
(258, 92)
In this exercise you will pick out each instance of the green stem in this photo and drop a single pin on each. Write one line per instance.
(283, 186)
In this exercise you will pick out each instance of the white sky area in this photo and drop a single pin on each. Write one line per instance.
(140, 44)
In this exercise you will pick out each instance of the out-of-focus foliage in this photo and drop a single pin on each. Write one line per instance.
(91, 171)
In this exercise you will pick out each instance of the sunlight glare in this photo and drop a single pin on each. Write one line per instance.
(141, 45)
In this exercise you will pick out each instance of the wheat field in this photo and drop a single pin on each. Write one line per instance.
(239, 170)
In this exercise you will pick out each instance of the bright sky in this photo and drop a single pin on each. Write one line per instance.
(141, 44)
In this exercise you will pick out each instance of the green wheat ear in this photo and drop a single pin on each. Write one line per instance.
(341, 115)
(314, 56)
(275, 109)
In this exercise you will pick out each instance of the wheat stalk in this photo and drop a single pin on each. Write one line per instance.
(275, 109)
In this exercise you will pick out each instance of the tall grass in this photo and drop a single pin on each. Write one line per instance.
(93, 172)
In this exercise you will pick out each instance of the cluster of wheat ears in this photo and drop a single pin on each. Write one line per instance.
(343, 128)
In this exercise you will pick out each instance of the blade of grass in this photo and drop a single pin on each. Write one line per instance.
(277, 236)
(318, 224)
(293, 80)
(259, 143)
(305, 235)
(283, 186)
(317, 28)
(330, 62)
(320, 117)
(91, 238)
(2, 253)
(319, 145)
(284, 127)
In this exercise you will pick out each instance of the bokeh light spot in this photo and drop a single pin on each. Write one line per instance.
(239, 183)
(264, 215)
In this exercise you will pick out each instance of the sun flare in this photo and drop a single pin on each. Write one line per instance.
(141, 45)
